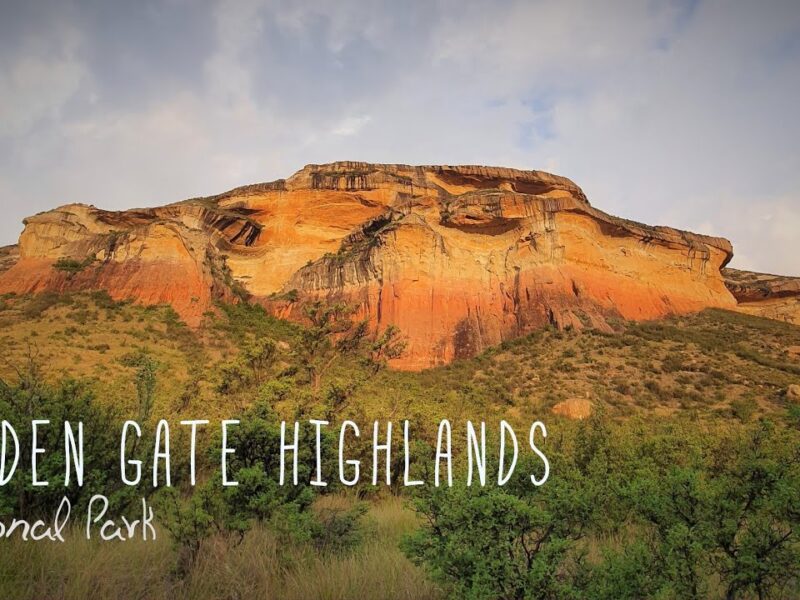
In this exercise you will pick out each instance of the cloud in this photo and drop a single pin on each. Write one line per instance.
(772, 224)
(351, 125)
(672, 112)
(36, 84)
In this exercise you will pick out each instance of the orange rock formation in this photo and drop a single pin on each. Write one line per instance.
(458, 257)
(771, 296)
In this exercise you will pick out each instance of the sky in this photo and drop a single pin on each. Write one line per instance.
(681, 112)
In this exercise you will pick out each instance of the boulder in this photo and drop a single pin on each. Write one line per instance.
(793, 393)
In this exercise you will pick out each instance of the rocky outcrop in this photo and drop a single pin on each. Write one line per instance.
(771, 296)
(9, 255)
(462, 259)
(170, 255)
(793, 393)
(458, 257)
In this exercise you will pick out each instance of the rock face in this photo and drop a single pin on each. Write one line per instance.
(458, 257)
(771, 296)
(9, 255)
(163, 255)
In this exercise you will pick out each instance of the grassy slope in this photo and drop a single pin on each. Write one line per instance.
(90, 336)
(704, 363)
(710, 364)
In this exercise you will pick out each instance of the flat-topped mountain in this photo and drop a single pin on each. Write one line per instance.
(458, 257)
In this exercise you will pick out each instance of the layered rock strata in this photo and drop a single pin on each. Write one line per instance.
(458, 257)
(770, 296)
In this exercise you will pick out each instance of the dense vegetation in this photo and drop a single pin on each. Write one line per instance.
(637, 510)
(684, 483)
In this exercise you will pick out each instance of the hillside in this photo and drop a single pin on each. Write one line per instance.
(716, 363)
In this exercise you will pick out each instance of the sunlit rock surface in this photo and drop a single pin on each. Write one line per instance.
(772, 296)
(458, 257)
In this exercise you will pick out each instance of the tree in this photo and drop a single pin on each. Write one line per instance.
(251, 367)
(332, 333)
(386, 347)
(318, 347)
(259, 354)
(677, 504)
(755, 515)
(70, 400)
(732, 511)
(145, 380)
(513, 542)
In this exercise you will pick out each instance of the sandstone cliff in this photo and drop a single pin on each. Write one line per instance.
(458, 257)
(9, 255)
(771, 296)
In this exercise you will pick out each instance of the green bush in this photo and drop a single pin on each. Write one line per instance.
(673, 511)
(39, 303)
(73, 400)
(72, 266)
(744, 408)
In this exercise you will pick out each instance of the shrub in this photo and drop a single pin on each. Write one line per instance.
(31, 398)
(516, 541)
(336, 530)
(102, 299)
(744, 408)
(72, 266)
(40, 303)
(672, 511)
(672, 363)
